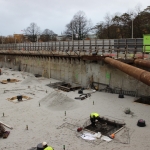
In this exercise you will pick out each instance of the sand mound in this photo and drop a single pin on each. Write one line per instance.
(30, 80)
(59, 101)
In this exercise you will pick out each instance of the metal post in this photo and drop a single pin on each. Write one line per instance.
(72, 32)
(132, 28)
(72, 35)
(49, 68)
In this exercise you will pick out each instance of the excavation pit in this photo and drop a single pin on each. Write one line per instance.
(19, 98)
(106, 126)
(9, 81)
(143, 100)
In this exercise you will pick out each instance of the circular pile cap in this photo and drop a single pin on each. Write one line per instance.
(40, 146)
(120, 96)
(141, 123)
(80, 91)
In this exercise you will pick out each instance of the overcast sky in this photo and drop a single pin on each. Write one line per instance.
(16, 15)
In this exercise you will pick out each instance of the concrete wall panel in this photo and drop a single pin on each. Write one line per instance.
(75, 71)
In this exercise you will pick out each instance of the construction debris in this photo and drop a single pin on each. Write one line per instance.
(64, 88)
(106, 138)
(84, 95)
(88, 136)
(56, 84)
(67, 87)
(3, 132)
(37, 75)
(6, 125)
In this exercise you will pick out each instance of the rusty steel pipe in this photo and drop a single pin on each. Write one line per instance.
(139, 74)
(141, 62)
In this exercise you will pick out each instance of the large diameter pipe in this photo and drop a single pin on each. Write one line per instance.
(141, 62)
(139, 74)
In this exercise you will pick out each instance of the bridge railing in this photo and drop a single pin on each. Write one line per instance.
(117, 48)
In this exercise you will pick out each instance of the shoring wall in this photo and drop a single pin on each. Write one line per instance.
(75, 71)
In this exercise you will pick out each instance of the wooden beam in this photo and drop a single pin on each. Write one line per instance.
(6, 125)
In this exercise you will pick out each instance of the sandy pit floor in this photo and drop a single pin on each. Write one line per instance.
(54, 116)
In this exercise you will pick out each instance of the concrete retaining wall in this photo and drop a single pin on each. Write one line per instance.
(75, 71)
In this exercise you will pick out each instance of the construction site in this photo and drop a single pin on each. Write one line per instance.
(49, 91)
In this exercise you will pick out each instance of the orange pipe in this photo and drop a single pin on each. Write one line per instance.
(139, 74)
(142, 62)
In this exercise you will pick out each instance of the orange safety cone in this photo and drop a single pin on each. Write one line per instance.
(112, 136)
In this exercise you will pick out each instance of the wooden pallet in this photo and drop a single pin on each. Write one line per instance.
(63, 88)
(68, 89)
(75, 88)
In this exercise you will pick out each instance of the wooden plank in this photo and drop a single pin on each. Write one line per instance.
(64, 88)
(119, 130)
(6, 125)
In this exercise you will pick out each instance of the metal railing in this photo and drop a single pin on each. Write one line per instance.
(111, 47)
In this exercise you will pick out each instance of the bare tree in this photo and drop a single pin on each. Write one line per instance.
(78, 27)
(32, 32)
(108, 22)
(123, 25)
(48, 35)
(1, 39)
